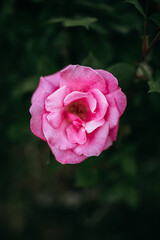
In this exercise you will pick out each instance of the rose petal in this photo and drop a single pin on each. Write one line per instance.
(102, 104)
(66, 156)
(111, 81)
(121, 100)
(56, 137)
(76, 134)
(75, 96)
(114, 131)
(37, 110)
(95, 142)
(55, 100)
(80, 78)
(92, 125)
(112, 136)
(112, 116)
(108, 143)
(54, 79)
(55, 118)
(70, 117)
(47, 84)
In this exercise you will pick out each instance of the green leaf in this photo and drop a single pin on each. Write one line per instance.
(55, 20)
(137, 6)
(154, 86)
(98, 28)
(129, 166)
(146, 71)
(91, 61)
(124, 72)
(155, 17)
(67, 22)
(28, 85)
(87, 174)
(97, 6)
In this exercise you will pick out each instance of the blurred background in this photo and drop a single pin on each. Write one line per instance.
(115, 196)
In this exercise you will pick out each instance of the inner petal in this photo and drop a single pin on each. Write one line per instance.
(85, 97)
(78, 108)
(76, 134)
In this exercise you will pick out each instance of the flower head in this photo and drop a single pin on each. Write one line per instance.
(76, 111)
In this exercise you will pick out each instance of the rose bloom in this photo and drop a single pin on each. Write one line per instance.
(76, 111)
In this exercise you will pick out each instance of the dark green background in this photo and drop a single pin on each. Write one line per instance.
(115, 196)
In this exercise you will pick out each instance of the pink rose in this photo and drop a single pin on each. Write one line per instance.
(76, 111)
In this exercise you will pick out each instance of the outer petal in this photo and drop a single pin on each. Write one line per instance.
(47, 84)
(75, 96)
(112, 116)
(53, 79)
(55, 100)
(76, 134)
(102, 104)
(67, 156)
(37, 110)
(56, 137)
(95, 142)
(121, 100)
(80, 78)
(112, 136)
(108, 143)
(113, 132)
(111, 81)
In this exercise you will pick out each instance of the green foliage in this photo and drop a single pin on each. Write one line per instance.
(155, 17)
(154, 86)
(91, 61)
(100, 6)
(137, 6)
(84, 22)
(124, 72)
(87, 175)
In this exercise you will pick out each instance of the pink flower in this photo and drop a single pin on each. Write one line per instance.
(76, 111)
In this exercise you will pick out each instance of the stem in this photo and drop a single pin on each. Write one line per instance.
(145, 38)
(146, 49)
(155, 39)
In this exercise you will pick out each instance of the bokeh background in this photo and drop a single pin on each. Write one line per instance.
(115, 196)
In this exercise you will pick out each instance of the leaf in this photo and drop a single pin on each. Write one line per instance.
(129, 166)
(99, 6)
(137, 6)
(55, 20)
(28, 85)
(91, 61)
(85, 22)
(67, 22)
(145, 70)
(87, 174)
(124, 72)
(154, 86)
(155, 17)
(99, 28)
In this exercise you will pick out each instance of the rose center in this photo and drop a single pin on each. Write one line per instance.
(77, 108)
